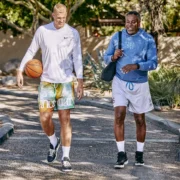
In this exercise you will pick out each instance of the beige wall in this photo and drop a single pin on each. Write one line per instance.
(169, 50)
(15, 47)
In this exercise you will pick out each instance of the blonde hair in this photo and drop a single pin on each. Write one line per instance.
(60, 8)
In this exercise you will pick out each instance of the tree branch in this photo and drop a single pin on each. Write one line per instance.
(75, 26)
(18, 2)
(68, 8)
(42, 6)
(35, 22)
(26, 4)
(74, 8)
(44, 19)
(29, 5)
(24, 31)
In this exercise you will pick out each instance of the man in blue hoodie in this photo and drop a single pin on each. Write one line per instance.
(130, 86)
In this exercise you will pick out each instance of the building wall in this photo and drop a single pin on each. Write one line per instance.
(169, 50)
(15, 47)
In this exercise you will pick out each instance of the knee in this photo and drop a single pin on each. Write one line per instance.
(140, 121)
(119, 118)
(45, 117)
(65, 122)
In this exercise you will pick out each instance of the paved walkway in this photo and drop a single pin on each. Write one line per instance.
(93, 151)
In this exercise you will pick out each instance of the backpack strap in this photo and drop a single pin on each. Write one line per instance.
(119, 43)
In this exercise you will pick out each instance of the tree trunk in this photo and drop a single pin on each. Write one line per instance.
(155, 10)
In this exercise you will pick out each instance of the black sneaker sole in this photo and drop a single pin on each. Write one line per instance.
(121, 166)
(56, 153)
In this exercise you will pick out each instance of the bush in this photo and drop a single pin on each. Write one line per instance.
(165, 86)
(92, 73)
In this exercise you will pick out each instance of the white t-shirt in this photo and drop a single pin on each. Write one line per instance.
(61, 52)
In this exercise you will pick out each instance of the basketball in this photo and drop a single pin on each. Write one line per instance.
(34, 68)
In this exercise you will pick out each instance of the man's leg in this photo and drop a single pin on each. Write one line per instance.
(48, 127)
(66, 128)
(140, 127)
(120, 114)
(47, 102)
(47, 123)
(66, 136)
(140, 135)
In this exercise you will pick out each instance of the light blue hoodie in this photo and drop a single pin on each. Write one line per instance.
(138, 48)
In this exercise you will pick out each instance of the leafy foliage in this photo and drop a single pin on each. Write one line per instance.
(14, 14)
(91, 9)
(165, 86)
(160, 16)
(172, 18)
(24, 16)
(92, 72)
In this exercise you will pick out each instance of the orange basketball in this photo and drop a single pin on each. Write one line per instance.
(34, 68)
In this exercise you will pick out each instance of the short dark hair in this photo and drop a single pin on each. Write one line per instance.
(135, 13)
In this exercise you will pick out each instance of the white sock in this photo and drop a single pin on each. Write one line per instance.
(65, 150)
(120, 146)
(53, 140)
(140, 146)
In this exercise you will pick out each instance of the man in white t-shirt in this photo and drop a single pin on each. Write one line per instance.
(61, 53)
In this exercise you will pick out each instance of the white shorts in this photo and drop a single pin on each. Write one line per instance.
(135, 96)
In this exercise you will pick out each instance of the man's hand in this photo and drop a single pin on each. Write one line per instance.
(20, 80)
(80, 89)
(129, 67)
(118, 53)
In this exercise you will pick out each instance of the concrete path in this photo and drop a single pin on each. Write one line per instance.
(93, 152)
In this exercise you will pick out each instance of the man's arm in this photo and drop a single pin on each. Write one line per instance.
(111, 53)
(78, 65)
(151, 60)
(80, 89)
(151, 57)
(33, 48)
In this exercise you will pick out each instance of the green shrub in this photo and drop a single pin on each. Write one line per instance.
(165, 86)
(92, 73)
